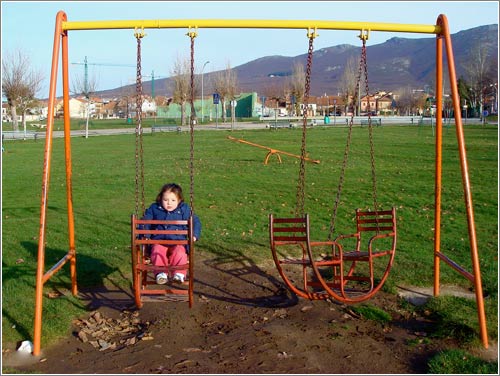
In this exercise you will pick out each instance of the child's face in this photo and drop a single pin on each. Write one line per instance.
(169, 201)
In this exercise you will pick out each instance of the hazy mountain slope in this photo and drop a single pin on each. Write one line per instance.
(396, 63)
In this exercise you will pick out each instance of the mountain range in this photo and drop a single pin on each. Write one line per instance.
(396, 63)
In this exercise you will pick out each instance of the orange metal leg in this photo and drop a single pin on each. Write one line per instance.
(67, 151)
(438, 162)
(61, 16)
(445, 33)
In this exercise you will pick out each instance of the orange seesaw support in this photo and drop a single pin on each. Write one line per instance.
(272, 151)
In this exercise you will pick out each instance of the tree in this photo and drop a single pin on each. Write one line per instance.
(480, 70)
(127, 94)
(226, 84)
(181, 84)
(348, 82)
(410, 102)
(85, 88)
(297, 85)
(20, 83)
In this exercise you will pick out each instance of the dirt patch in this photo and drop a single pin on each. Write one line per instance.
(242, 321)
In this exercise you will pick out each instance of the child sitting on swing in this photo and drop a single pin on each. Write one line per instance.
(170, 205)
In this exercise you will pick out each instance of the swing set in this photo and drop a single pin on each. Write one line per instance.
(334, 273)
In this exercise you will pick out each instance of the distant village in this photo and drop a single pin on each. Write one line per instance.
(247, 105)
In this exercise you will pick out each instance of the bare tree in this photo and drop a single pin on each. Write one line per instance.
(297, 85)
(20, 83)
(348, 82)
(127, 94)
(85, 87)
(225, 84)
(181, 84)
(410, 102)
(275, 91)
(404, 103)
(478, 70)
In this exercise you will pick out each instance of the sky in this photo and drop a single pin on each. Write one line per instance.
(29, 27)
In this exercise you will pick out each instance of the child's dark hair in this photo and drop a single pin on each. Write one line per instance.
(170, 187)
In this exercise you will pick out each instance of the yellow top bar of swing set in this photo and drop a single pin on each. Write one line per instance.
(251, 24)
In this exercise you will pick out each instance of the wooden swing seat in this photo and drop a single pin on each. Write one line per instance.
(144, 282)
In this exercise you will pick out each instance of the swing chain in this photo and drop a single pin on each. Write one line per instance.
(361, 69)
(299, 210)
(342, 172)
(192, 35)
(370, 128)
(139, 149)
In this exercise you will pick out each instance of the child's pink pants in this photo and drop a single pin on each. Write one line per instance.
(165, 256)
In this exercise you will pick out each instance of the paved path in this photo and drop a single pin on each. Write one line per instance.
(220, 126)
(117, 131)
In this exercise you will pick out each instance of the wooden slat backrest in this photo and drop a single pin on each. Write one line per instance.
(381, 221)
(291, 230)
(140, 234)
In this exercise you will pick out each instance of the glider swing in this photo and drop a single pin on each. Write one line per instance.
(144, 282)
(332, 273)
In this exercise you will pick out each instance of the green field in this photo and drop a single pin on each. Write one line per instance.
(234, 194)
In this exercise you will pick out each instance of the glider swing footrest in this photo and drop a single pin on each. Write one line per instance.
(308, 262)
(294, 262)
(164, 298)
(363, 256)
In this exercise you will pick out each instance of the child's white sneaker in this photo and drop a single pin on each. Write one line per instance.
(161, 278)
(178, 277)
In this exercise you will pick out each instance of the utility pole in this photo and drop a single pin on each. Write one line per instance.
(153, 87)
(86, 69)
(86, 77)
(153, 83)
(202, 89)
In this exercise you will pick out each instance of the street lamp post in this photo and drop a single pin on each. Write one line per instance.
(334, 112)
(465, 110)
(495, 105)
(472, 100)
(359, 101)
(202, 89)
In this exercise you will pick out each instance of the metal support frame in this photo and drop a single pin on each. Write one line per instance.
(62, 26)
(474, 277)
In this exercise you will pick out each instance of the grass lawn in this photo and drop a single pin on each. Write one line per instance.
(234, 193)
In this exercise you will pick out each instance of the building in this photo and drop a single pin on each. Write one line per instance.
(246, 106)
(79, 107)
(381, 103)
(5, 114)
(329, 105)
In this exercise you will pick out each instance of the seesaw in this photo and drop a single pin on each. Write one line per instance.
(272, 151)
